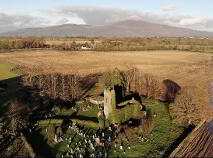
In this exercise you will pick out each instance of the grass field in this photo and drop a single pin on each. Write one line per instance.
(5, 72)
(185, 68)
(11, 79)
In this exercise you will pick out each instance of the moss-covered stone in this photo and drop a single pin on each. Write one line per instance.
(131, 111)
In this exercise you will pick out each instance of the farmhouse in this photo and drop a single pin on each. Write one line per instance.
(85, 48)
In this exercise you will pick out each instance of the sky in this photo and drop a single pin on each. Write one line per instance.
(17, 14)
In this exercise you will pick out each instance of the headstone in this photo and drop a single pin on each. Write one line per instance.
(91, 146)
(109, 139)
(59, 131)
(97, 140)
(100, 153)
(55, 138)
(60, 139)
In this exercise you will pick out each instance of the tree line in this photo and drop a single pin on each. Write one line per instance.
(56, 86)
(29, 43)
(22, 43)
(112, 44)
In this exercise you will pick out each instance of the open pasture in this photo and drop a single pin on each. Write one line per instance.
(185, 68)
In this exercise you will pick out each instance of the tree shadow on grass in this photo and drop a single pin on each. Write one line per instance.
(39, 144)
(172, 89)
(73, 116)
(88, 82)
(6, 143)
(11, 88)
(175, 144)
(39, 110)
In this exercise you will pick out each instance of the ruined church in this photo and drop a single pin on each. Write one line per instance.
(117, 109)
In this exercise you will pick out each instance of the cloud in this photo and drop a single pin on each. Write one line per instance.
(192, 21)
(92, 15)
(13, 21)
(169, 8)
(10, 22)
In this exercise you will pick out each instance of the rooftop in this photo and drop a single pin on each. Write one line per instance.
(198, 144)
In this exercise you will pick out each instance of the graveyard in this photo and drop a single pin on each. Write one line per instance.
(90, 140)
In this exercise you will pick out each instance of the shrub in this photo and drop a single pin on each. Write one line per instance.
(142, 83)
(112, 78)
(187, 107)
(147, 127)
(124, 114)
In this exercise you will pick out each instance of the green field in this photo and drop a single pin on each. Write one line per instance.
(5, 72)
(11, 79)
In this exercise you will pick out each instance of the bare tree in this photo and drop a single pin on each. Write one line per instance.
(15, 117)
(187, 107)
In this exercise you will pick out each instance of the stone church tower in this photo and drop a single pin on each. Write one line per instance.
(109, 101)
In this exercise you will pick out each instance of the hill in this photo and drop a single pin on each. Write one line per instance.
(129, 28)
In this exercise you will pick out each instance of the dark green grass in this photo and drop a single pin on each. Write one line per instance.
(12, 81)
(163, 135)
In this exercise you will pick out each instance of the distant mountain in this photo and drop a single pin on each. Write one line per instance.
(129, 28)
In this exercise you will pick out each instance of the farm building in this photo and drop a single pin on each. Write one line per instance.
(198, 144)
